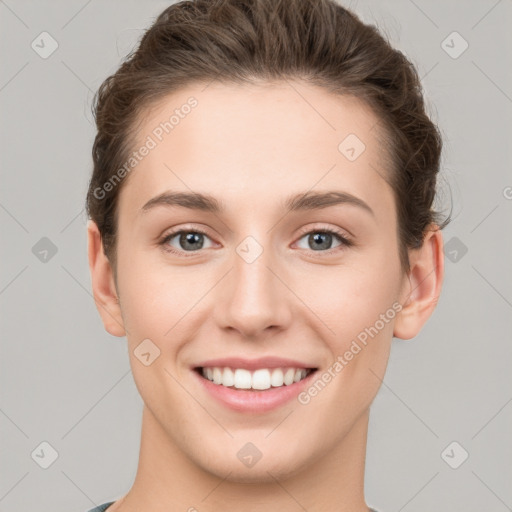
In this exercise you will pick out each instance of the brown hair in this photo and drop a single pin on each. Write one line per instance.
(249, 41)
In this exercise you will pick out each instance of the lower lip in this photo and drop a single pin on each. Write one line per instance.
(243, 400)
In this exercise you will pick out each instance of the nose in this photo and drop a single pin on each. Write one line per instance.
(253, 299)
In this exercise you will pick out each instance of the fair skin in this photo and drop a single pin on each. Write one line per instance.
(252, 147)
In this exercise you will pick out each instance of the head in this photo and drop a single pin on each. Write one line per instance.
(248, 110)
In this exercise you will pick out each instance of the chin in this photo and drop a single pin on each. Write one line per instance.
(273, 464)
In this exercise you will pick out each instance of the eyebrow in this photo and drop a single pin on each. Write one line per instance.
(296, 202)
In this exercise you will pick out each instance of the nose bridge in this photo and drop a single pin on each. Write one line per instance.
(253, 297)
(250, 266)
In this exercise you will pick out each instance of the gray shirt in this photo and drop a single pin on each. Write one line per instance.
(103, 507)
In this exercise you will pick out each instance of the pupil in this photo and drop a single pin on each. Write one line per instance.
(319, 237)
(191, 238)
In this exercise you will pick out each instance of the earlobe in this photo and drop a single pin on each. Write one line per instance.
(103, 285)
(422, 286)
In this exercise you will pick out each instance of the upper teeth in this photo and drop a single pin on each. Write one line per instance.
(258, 379)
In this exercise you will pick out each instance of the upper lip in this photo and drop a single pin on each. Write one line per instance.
(254, 364)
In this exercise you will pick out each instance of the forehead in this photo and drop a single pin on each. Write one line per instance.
(241, 142)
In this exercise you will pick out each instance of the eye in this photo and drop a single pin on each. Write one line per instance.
(188, 240)
(322, 239)
(192, 240)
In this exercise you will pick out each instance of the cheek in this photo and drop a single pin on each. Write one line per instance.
(359, 306)
(349, 299)
(144, 302)
(364, 329)
(150, 297)
(155, 313)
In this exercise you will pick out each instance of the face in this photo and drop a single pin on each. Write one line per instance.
(270, 279)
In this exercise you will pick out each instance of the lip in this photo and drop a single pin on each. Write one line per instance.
(252, 401)
(254, 364)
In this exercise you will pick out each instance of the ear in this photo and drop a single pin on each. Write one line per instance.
(103, 284)
(422, 286)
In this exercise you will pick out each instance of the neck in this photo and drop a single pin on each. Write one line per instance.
(167, 479)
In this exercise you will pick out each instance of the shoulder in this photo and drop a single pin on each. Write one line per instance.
(101, 508)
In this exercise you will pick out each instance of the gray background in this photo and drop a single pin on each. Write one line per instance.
(64, 380)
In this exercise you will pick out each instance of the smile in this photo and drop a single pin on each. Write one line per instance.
(253, 387)
(260, 379)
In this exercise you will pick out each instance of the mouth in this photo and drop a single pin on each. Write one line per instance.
(260, 379)
(253, 386)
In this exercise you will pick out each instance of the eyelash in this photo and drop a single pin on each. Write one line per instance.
(345, 241)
